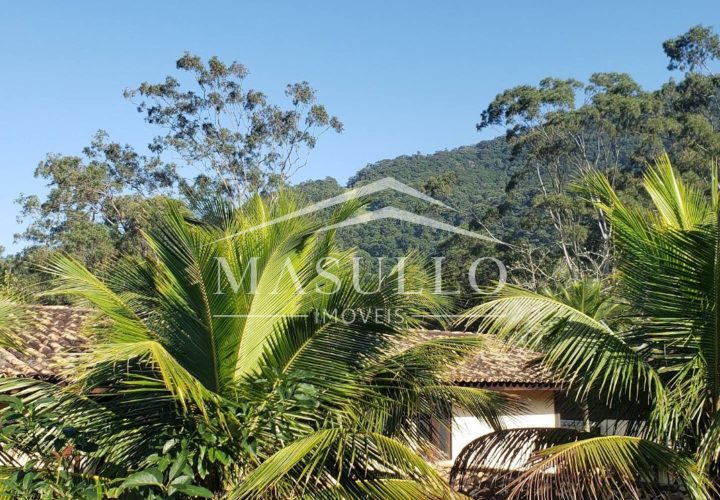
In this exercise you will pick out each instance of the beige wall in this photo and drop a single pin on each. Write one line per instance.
(539, 412)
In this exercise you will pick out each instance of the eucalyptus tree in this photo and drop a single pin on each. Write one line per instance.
(231, 137)
(97, 203)
(217, 136)
(649, 351)
(562, 128)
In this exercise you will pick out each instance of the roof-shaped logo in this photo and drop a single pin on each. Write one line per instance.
(387, 183)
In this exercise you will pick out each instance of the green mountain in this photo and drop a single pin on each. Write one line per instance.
(470, 179)
(474, 181)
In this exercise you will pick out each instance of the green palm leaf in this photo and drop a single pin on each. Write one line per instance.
(608, 466)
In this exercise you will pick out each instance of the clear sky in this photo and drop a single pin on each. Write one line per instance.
(403, 76)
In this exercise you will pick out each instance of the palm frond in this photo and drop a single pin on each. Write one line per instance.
(500, 454)
(679, 206)
(13, 316)
(582, 350)
(608, 466)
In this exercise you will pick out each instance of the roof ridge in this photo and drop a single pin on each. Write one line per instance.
(452, 332)
(59, 307)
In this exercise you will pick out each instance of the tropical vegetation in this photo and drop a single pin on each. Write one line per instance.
(219, 361)
(242, 379)
(643, 346)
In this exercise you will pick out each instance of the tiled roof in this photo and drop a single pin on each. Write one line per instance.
(497, 364)
(49, 333)
(52, 332)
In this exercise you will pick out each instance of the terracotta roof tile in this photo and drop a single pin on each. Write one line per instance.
(496, 365)
(49, 335)
(53, 332)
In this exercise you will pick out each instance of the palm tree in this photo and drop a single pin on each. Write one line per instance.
(649, 349)
(232, 339)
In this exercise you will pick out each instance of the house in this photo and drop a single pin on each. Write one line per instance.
(499, 367)
(55, 332)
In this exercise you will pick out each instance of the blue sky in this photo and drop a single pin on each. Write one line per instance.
(403, 77)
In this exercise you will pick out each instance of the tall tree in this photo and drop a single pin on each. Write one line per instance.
(97, 203)
(561, 129)
(237, 141)
(693, 50)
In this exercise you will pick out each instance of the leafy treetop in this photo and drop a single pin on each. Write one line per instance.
(238, 141)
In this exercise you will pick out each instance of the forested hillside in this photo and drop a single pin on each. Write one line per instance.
(479, 184)
(470, 179)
